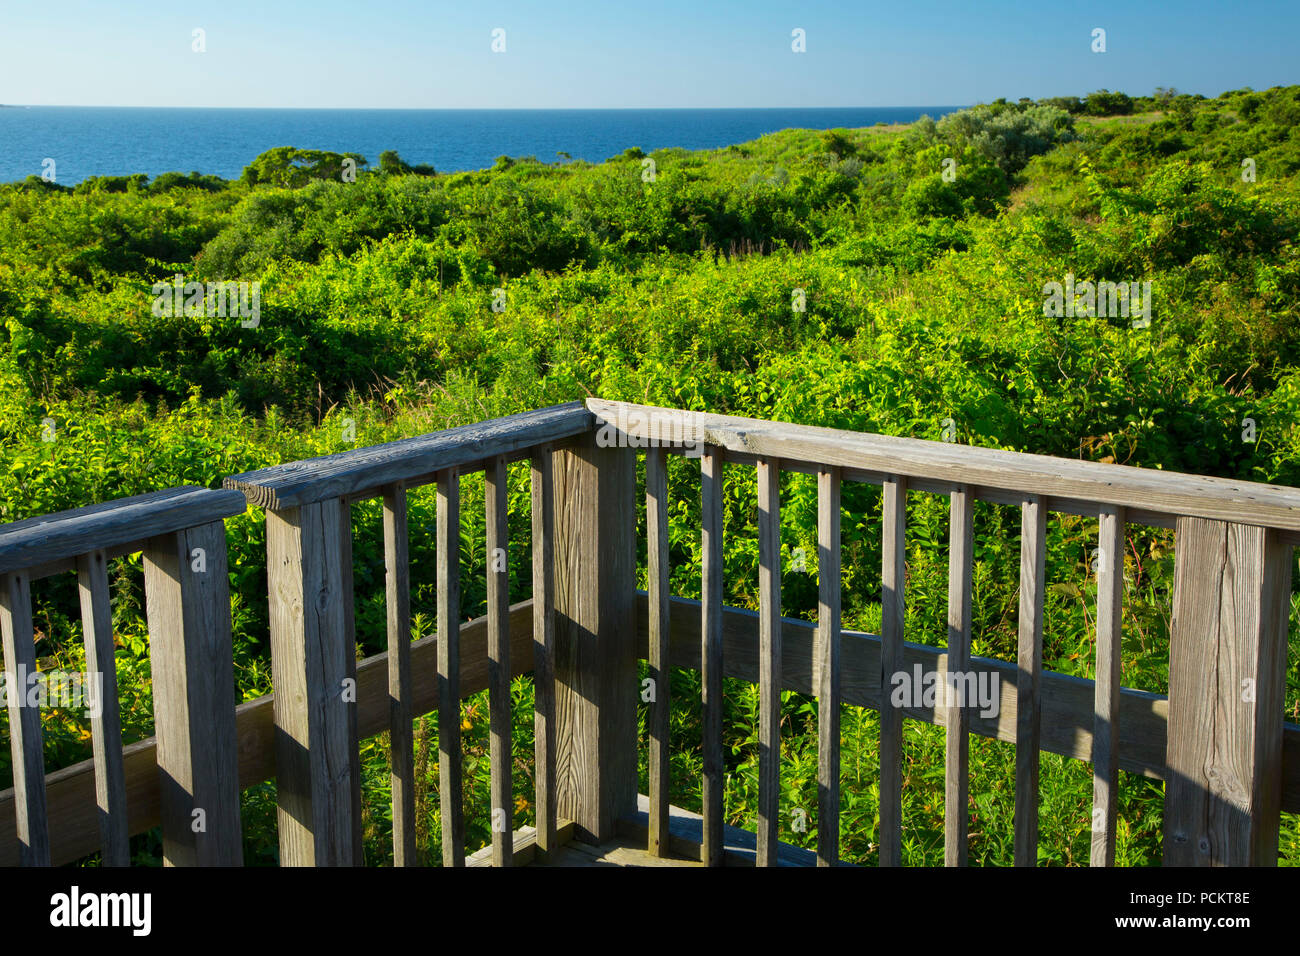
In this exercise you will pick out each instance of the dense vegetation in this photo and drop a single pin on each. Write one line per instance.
(920, 255)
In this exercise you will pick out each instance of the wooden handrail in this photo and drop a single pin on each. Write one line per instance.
(412, 460)
(34, 542)
(869, 457)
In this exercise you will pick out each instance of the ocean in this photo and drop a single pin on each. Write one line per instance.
(120, 141)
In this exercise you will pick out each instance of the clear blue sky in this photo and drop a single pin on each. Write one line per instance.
(620, 54)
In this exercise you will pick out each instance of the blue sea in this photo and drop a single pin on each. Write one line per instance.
(120, 141)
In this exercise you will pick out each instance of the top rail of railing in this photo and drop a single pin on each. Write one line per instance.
(121, 525)
(412, 460)
(937, 466)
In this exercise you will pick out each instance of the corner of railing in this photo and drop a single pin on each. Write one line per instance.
(181, 532)
(309, 578)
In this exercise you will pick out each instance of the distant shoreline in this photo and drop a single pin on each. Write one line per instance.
(121, 141)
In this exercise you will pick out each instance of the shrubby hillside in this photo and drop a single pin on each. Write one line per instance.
(406, 301)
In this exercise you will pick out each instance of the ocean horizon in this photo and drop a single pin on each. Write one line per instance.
(86, 141)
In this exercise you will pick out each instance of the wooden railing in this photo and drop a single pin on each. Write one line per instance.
(1228, 761)
(181, 534)
(309, 564)
(1224, 765)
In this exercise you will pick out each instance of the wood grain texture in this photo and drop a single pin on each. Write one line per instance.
(187, 602)
(1227, 674)
(1143, 489)
(827, 667)
(25, 741)
(892, 600)
(361, 469)
(450, 780)
(401, 737)
(106, 727)
(956, 787)
(1029, 677)
(498, 612)
(710, 659)
(71, 791)
(543, 515)
(656, 510)
(769, 661)
(596, 683)
(59, 538)
(311, 660)
(1105, 736)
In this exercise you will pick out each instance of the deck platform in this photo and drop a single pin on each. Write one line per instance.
(628, 847)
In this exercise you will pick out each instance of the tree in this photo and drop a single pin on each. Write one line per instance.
(288, 166)
(1106, 103)
(838, 143)
(390, 164)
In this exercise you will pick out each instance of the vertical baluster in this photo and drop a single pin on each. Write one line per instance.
(828, 666)
(1033, 547)
(711, 651)
(1105, 735)
(543, 508)
(1227, 684)
(956, 717)
(769, 660)
(893, 573)
(498, 617)
(449, 751)
(656, 482)
(24, 721)
(313, 662)
(350, 675)
(106, 727)
(401, 738)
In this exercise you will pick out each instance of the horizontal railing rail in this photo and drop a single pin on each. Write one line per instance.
(1149, 496)
(361, 471)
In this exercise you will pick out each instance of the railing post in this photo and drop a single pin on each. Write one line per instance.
(595, 636)
(1227, 678)
(313, 666)
(187, 596)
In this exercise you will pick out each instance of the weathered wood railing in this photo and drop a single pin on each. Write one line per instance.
(313, 648)
(1233, 550)
(187, 597)
(1228, 762)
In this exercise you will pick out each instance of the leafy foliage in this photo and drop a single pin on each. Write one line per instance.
(407, 302)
